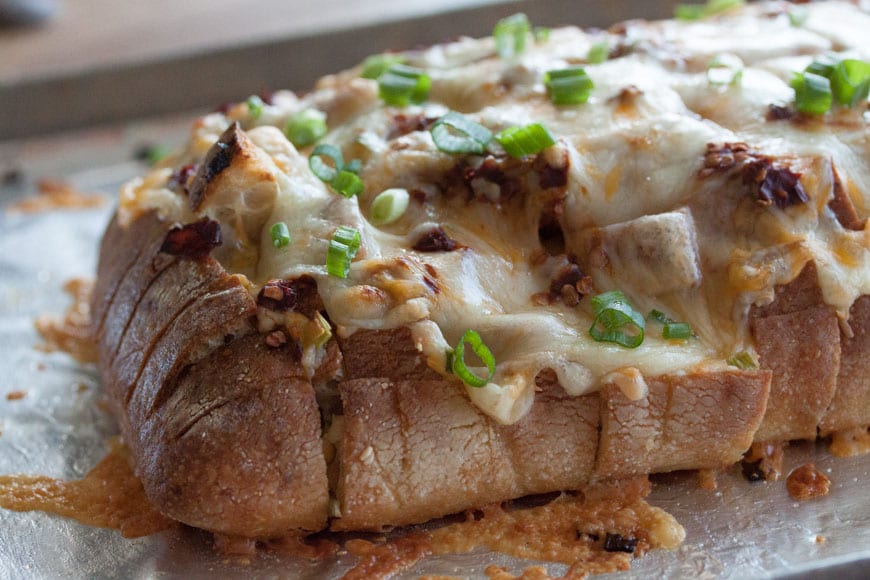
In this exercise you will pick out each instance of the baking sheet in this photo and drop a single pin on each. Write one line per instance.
(741, 530)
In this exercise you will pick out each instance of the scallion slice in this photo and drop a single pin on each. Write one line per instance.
(850, 81)
(711, 8)
(481, 350)
(343, 247)
(541, 34)
(689, 11)
(317, 161)
(306, 127)
(528, 140)
(677, 330)
(797, 15)
(812, 93)
(742, 360)
(402, 85)
(660, 316)
(389, 205)
(377, 64)
(255, 106)
(616, 321)
(354, 166)
(455, 133)
(598, 52)
(568, 86)
(510, 36)
(347, 183)
(280, 234)
(725, 69)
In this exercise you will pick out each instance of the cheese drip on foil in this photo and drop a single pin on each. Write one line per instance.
(631, 156)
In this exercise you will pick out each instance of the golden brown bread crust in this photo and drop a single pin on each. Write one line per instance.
(850, 408)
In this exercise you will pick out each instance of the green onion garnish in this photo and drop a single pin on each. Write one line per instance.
(389, 205)
(319, 166)
(850, 81)
(812, 93)
(347, 183)
(522, 141)
(742, 360)
(711, 8)
(725, 69)
(541, 34)
(306, 127)
(255, 106)
(598, 52)
(354, 166)
(280, 234)
(823, 65)
(154, 154)
(568, 86)
(616, 320)
(402, 85)
(660, 316)
(510, 36)
(797, 15)
(481, 350)
(343, 247)
(455, 133)
(377, 64)
(677, 330)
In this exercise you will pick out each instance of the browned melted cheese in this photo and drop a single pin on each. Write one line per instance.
(53, 195)
(109, 496)
(850, 442)
(71, 333)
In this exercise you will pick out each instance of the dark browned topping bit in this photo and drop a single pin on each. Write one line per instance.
(807, 482)
(752, 471)
(218, 158)
(570, 285)
(771, 183)
(180, 178)
(403, 124)
(779, 113)
(618, 543)
(626, 97)
(435, 240)
(842, 206)
(299, 295)
(195, 241)
(276, 338)
(430, 278)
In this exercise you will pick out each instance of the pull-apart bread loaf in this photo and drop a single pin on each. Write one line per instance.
(498, 267)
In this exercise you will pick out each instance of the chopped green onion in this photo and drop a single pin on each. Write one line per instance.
(280, 234)
(677, 330)
(389, 205)
(354, 166)
(812, 93)
(255, 106)
(850, 81)
(318, 165)
(347, 183)
(568, 86)
(823, 65)
(154, 154)
(742, 360)
(711, 8)
(522, 141)
(455, 133)
(616, 321)
(725, 69)
(510, 36)
(598, 52)
(343, 247)
(306, 127)
(541, 34)
(377, 64)
(481, 350)
(402, 85)
(797, 15)
(660, 316)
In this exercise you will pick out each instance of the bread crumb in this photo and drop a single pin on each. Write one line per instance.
(15, 395)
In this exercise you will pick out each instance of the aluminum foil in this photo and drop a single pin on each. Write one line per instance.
(740, 530)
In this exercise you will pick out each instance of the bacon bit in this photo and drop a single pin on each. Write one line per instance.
(194, 241)
(72, 333)
(769, 182)
(404, 124)
(298, 295)
(436, 240)
(779, 113)
(15, 395)
(218, 158)
(54, 194)
(807, 482)
(181, 178)
(618, 543)
(570, 285)
(550, 177)
(276, 338)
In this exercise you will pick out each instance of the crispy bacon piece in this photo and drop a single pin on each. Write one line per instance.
(180, 178)
(570, 285)
(218, 158)
(435, 240)
(195, 241)
(299, 295)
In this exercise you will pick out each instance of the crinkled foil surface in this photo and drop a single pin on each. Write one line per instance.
(742, 530)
